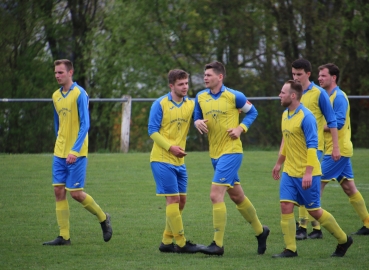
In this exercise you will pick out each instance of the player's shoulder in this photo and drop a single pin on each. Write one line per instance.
(79, 89)
(202, 92)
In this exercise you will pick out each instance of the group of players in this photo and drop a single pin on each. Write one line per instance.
(315, 120)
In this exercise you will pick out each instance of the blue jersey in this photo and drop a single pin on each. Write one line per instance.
(317, 101)
(172, 121)
(71, 121)
(299, 133)
(222, 111)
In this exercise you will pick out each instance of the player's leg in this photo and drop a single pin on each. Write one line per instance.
(358, 202)
(75, 185)
(330, 224)
(301, 232)
(59, 171)
(167, 186)
(247, 210)
(288, 196)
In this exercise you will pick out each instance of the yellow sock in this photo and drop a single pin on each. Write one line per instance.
(303, 216)
(175, 222)
(219, 222)
(314, 223)
(91, 206)
(288, 224)
(331, 225)
(168, 234)
(248, 211)
(357, 201)
(62, 216)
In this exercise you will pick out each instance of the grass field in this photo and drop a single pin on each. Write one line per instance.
(122, 185)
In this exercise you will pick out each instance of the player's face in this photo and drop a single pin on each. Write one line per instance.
(285, 95)
(212, 80)
(179, 88)
(301, 76)
(62, 75)
(325, 79)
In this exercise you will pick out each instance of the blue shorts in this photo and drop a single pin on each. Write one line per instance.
(170, 180)
(290, 190)
(226, 169)
(72, 176)
(336, 170)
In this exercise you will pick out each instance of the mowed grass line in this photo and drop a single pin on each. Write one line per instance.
(122, 185)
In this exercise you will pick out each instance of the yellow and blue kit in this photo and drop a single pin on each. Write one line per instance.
(172, 121)
(222, 111)
(341, 169)
(169, 123)
(71, 122)
(317, 101)
(299, 131)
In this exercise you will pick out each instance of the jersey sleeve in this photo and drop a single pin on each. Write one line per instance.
(340, 107)
(327, 110)
(197, 113)
(56, 121)
(309, 128)
(155, 118)
(84, 121)
(251, 112)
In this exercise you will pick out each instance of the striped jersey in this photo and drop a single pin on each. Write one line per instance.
(317, 101)
(172, 121)
(71, 121)
(222, 111)
(299, 131)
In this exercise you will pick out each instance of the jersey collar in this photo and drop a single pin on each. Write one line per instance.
(171, 99)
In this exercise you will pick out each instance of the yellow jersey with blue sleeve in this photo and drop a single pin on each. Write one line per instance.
(317, 101)
(168, 125)
(222, 111)
(71, 121)
(299, 131)
(341, 108)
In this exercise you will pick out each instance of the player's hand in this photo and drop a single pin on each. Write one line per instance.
(307, 179)
(177, 151)
(275, 172)
(201, 126)
(336, 155)
(71, 159)
(235, 133)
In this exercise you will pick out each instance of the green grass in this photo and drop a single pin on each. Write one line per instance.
(122, 185)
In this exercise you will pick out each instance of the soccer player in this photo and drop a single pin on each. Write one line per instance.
(300, 183)
(169, 122)
(341, 171)
(216, 113)
(317, 101)
(71, 121)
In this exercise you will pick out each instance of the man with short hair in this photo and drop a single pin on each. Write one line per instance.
(216, 113)
(169, 122)
(71, 122)
(341, 171)
(317, 101)
(300, 182)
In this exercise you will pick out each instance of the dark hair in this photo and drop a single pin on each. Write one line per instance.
(176, 74)
(302, 64)
(218, 68)
(332, 69)
(68, 64)
(296, 87)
